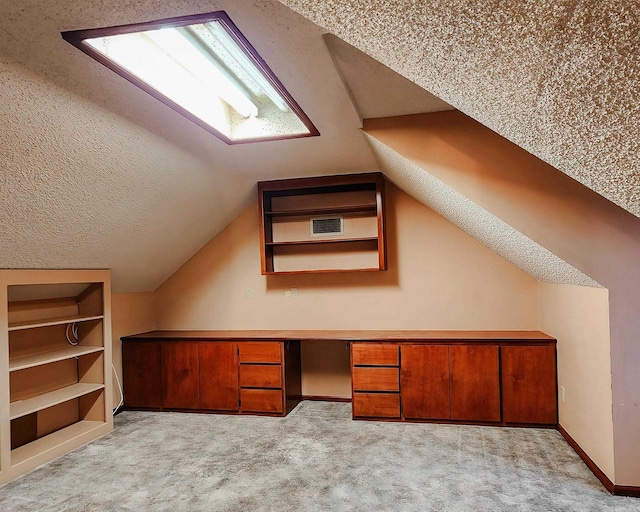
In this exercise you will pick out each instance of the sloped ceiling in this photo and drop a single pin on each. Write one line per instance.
(376, 90)
(362, 76)
(485, 227)
(95, 173)
(558, 78)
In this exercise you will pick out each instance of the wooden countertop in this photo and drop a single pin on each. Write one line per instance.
(345, 335)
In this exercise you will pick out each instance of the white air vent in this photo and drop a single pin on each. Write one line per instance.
(327, 226)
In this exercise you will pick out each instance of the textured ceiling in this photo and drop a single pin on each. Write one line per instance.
(376, 90)
(94, 173)
(362, 75)
(82, 188)
(557, 77)
(485, 227)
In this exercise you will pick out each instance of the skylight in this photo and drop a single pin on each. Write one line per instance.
(205, 69)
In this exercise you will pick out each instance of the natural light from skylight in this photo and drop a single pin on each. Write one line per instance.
(206, 70)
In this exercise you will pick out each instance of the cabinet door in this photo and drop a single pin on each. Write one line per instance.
(180, 375)
(218, 376)
(475, 383)
(424, 381)
(142, 374)
(529, 385)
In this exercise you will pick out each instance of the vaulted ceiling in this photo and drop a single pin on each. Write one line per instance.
(95, 173)
(557, 77)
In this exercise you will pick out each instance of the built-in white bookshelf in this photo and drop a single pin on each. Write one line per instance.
(18, 326)
(55, 364)
(29, 361)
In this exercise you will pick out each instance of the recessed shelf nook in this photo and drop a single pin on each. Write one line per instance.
(55, 354)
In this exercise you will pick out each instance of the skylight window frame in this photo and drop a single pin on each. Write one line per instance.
(78, 39)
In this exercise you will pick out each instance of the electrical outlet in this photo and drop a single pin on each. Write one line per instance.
(292, 292)
(250, 294)
(562, 394)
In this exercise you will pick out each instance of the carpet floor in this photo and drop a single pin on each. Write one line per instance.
(315, 459)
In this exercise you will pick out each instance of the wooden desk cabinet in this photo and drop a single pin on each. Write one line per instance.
(474, 381)
(218, 376)
(180, 375)
(261, 377)
(529, 389)
(459, 382)
(425, 381)
(375, 380)
(142, 375)
(211, 375)
(479, 377)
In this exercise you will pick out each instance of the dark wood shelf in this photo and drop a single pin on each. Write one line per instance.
(354, 209)
(324, 241)
(359, 196)
(321, 271)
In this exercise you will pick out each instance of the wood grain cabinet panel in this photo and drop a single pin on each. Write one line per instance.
(261, 400)
(376, 405)
(376, 379)
(374, 354)
(142, 375)
(260, 352)
(180, 381)
(261, 376)
(424, 378)
(207, 375)
(529, 390)
(474, 382)
(218, 376)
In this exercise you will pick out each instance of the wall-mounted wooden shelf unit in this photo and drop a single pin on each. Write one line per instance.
(322, 224)
(55, 363)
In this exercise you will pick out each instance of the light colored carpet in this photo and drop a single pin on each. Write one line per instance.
(316, 459)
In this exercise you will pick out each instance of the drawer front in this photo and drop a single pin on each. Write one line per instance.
(261, 400)
(374, 354)
(260, 352)
(260, 375)
(376, 405)
(376, 379)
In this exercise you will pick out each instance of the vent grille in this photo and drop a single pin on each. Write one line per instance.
(327, 226)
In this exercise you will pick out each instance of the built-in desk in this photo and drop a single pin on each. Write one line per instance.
(481, 377)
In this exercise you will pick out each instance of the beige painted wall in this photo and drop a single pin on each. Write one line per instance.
(438, 278)
(583, 228)
(325, 369)
(578, 317)
(131, 313)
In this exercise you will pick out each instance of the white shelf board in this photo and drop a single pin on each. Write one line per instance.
(37, 403)
(48, 442)
(22, 362)
(33, 324)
